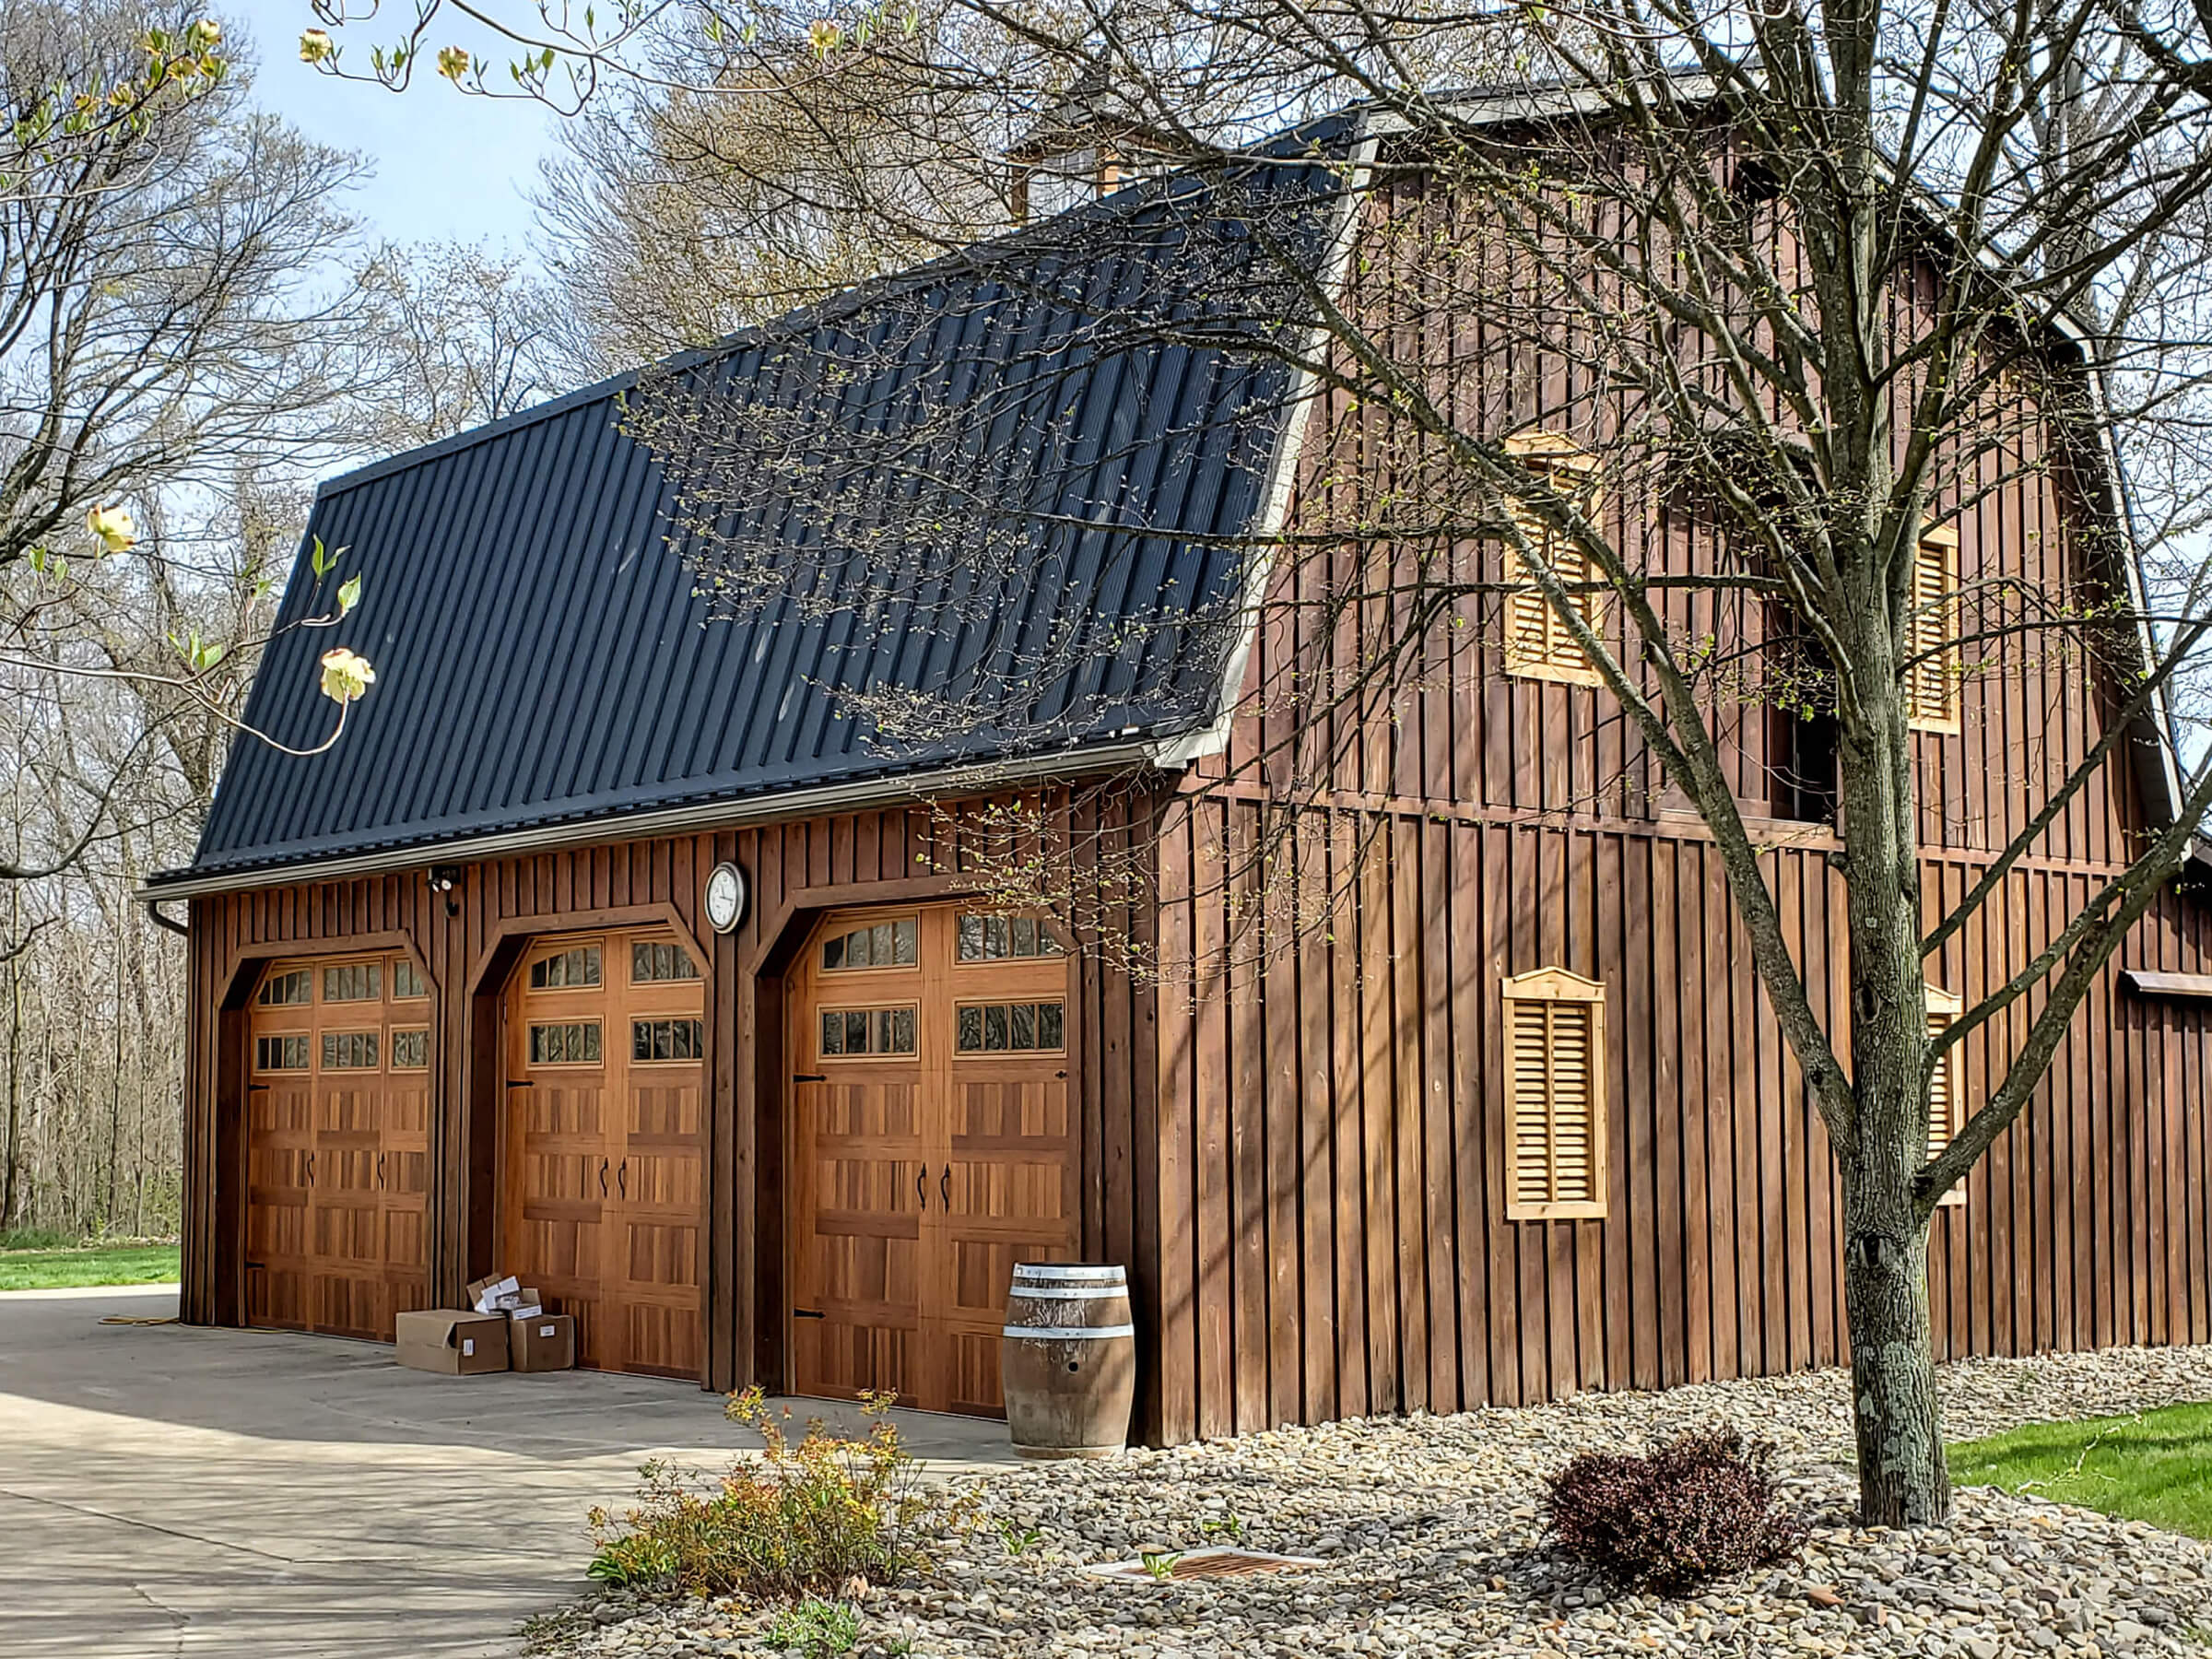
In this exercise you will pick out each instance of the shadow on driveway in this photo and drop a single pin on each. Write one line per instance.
(173, 1490)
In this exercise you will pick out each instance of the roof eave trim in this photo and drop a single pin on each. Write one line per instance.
(1212, 738)
(978, 778)
(1508, 108)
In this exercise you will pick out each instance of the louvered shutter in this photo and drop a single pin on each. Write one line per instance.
(1537, 642)
(1947, 1105)
(1555, 1022)
(1931, 684)
(1528, 623)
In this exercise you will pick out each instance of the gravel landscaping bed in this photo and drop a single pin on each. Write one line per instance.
(1429, 1528)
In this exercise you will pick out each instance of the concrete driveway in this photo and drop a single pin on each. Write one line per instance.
(166, 1490)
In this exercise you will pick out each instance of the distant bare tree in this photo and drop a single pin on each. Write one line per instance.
(179, 346)
(455, 337)
(750, 172)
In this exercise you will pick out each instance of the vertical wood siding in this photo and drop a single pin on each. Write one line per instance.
(1467, 825)
(1359, 1259)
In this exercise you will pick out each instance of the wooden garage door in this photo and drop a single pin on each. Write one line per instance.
(931, 1147)
(604, 1185)
(338, 1144)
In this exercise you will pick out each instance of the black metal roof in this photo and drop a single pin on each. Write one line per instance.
(551, 645)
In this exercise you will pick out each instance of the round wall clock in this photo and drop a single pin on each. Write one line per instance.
(726, 897)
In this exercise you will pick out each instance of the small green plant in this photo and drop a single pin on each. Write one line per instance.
(1230, 1525)
(1019, 1540)
(1160, 1564)
(802, 1518)
(817, 1629)
(638, 1558)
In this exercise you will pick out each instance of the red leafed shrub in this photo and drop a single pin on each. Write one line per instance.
(1696, 1509)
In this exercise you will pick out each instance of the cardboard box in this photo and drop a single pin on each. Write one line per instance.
(455, 1341)
(543, 1342)
(484, 1293)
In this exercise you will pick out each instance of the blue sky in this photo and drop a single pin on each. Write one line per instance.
(446, 165)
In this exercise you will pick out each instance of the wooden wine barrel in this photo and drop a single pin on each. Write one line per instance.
(1069, 1361)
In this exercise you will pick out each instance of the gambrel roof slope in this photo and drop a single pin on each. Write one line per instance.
(541, 611)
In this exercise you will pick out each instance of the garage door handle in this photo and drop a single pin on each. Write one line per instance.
(380, 1171)
(945, 1189)
(622, 1178)
(310, 1169)
(921, 1186)
(603, 1178)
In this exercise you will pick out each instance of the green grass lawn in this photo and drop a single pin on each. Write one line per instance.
(2157, 1467)
(50, 1269)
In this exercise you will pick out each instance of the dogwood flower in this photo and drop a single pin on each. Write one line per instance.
(453, 63)
(314, 45)
(117, 530)
(346, 677)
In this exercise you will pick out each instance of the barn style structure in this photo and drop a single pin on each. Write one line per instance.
(1517, 1123)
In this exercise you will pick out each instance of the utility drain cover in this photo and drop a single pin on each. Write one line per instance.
(1180, 1567)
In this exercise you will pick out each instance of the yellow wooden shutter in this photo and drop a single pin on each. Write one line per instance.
(1537, 643)
(1555, 1022)
(1932, 682)
(1946, 1101)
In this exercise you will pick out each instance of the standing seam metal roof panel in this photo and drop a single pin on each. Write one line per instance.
(530, 590)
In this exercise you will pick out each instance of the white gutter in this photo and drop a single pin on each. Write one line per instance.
(671, 820)
(1282, 477)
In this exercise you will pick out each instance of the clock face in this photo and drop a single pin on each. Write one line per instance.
(726, 897)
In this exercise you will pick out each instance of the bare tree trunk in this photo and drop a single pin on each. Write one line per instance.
(15, 1063)
(107, 1215)
(1903, 1477)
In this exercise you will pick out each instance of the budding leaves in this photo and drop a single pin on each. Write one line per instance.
(349, 595)
(199, 655)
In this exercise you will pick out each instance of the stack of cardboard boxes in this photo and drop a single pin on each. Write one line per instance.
(505, 1327)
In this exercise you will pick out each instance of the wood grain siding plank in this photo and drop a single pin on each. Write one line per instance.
(1375, 1109)
(1431, 925)
(1346, 1162)
(1316, 1107)
(1177, 1088)
(1400, 882)
(1695, 1115)
(1664, 1151)
(1640, 986)
(1275, 987)
(1248, 1341)
(1717, 1095)
(1462, 935)
(1211, 1146)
